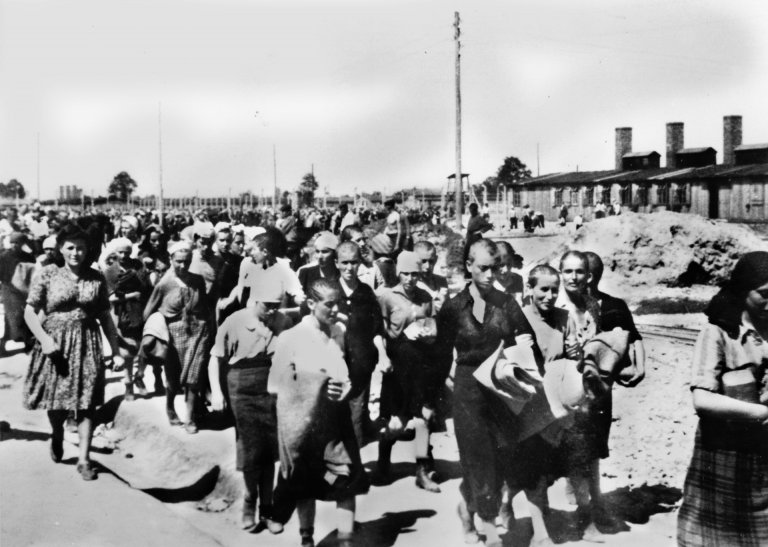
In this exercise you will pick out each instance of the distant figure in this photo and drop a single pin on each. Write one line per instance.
(513, 218)
(616, 208)
(599, 210)
(563, 216)
(538, 219)
(578, 221)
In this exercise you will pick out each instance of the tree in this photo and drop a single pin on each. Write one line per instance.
(491, 183)
(14, 189)
(122, 186)
(512, 171)
(307, 189)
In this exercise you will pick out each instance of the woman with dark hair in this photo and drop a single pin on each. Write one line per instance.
(66, 372)
(319, 455)
(725, 497)
(154, 243)
(180, 298)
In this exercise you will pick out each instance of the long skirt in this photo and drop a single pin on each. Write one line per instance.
(188, 353)
(414, 383)
(725, 499)
(255, 416)
(73, 377)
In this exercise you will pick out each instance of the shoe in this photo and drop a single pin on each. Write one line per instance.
(423, 481)
(273, 526)
(249, 515)
(191, 428)
(467, 523)
(128, 393)
(138, 384)
(57, 447)
(87, 471)
(592, 534)
(173, 418)
(306, 537)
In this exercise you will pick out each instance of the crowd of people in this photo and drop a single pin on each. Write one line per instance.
(283, 329)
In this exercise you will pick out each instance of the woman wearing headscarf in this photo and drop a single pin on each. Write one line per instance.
(725, 497)
(410, 390)
(13, 296)
(180, 298)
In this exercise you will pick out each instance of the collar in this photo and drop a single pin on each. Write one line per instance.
(474, 292)
(747, 328)
(254, 324)
(348, 291)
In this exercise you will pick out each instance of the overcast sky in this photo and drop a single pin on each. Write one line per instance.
(363, 90)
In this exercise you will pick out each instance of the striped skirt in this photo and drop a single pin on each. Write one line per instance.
(188, 352)
(725, 499)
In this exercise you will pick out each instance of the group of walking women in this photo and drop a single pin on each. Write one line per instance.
(292, 355)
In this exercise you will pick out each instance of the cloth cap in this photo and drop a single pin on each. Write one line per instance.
(119, 243)
(726, 307)
(408, 261)
(326, 240)
(179, 246)
(49, 242)
(381, 244)
(222, 227)
(204, 229)
(132, 220)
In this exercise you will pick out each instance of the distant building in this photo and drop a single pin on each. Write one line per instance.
(70, 193)
(691, 181)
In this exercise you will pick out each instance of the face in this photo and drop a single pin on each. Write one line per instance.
(326, 309)
(756, 304)
(409, 279)
(224, 241)
(358, 237)
(124, 254)
(545, 292)
(154, 240)
(428, 260)
(205, 243)
(74, 252)
(258, 254)
(575, 276)
(180, 262)
(160, 267)
(324, 256)
(236, 247)
(483, 269)
(348, 262)
(506, 264)
(126, 230)
(266, 311)
(50, 252)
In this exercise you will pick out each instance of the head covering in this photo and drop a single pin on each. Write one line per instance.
(381, 244)
(179, 246)
(204, 229)
(222, 226)
(725, 309)
(132, 220)
(408, 261)
(17, 237)
(326, 240)
(119, 243)
(253, 231)
(268, 290)
(49, 242)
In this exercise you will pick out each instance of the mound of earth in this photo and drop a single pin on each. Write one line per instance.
(670, 249)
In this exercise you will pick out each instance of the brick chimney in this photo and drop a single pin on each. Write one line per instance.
(675, 142)
(731, 138)
(623, 144)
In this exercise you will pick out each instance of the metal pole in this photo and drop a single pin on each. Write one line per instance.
(160, 159)
(274, 166)
(459, 183)
(38, 167)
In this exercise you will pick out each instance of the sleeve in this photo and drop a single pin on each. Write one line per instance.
(283, 369)
(154, 300)
(293, 285)
(38, 291)
(708, 359)
(447, 330)
(101, 304)
(221, 347)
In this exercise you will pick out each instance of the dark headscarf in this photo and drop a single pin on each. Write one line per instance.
(725, 309)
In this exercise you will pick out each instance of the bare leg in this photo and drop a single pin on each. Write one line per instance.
(537, 504)
(190, 397)
(306, 511)
(85, 432)
(170, 409)
(57, 419)
(345, 517)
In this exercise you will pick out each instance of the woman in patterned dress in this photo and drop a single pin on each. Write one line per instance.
(66, 372)
(180, 298)
(725, 497)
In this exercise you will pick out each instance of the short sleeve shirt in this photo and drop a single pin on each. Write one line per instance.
(399, 311)
(244, 336)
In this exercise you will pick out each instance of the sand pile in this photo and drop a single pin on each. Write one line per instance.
(669, 249)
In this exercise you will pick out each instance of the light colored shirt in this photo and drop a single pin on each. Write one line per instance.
(244, 336)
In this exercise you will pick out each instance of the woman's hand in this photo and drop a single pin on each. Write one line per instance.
(48, 345)
(118, 363)
(384, 365)
(336, 390)
(217, 401)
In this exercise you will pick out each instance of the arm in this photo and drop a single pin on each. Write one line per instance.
(105, 319)
(638, 349)
(47, 344)
(217, 396)
(723, 407)
(153, 304)
(384, 365)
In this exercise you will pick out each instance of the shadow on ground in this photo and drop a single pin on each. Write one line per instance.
(384, 531)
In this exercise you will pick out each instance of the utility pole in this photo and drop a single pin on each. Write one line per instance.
(538, 166)
(38, 167)
(160, 159)
(459, 183)
(274, 166)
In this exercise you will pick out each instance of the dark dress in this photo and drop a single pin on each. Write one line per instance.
(13, 299)
(483, 425)
(72, 378)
